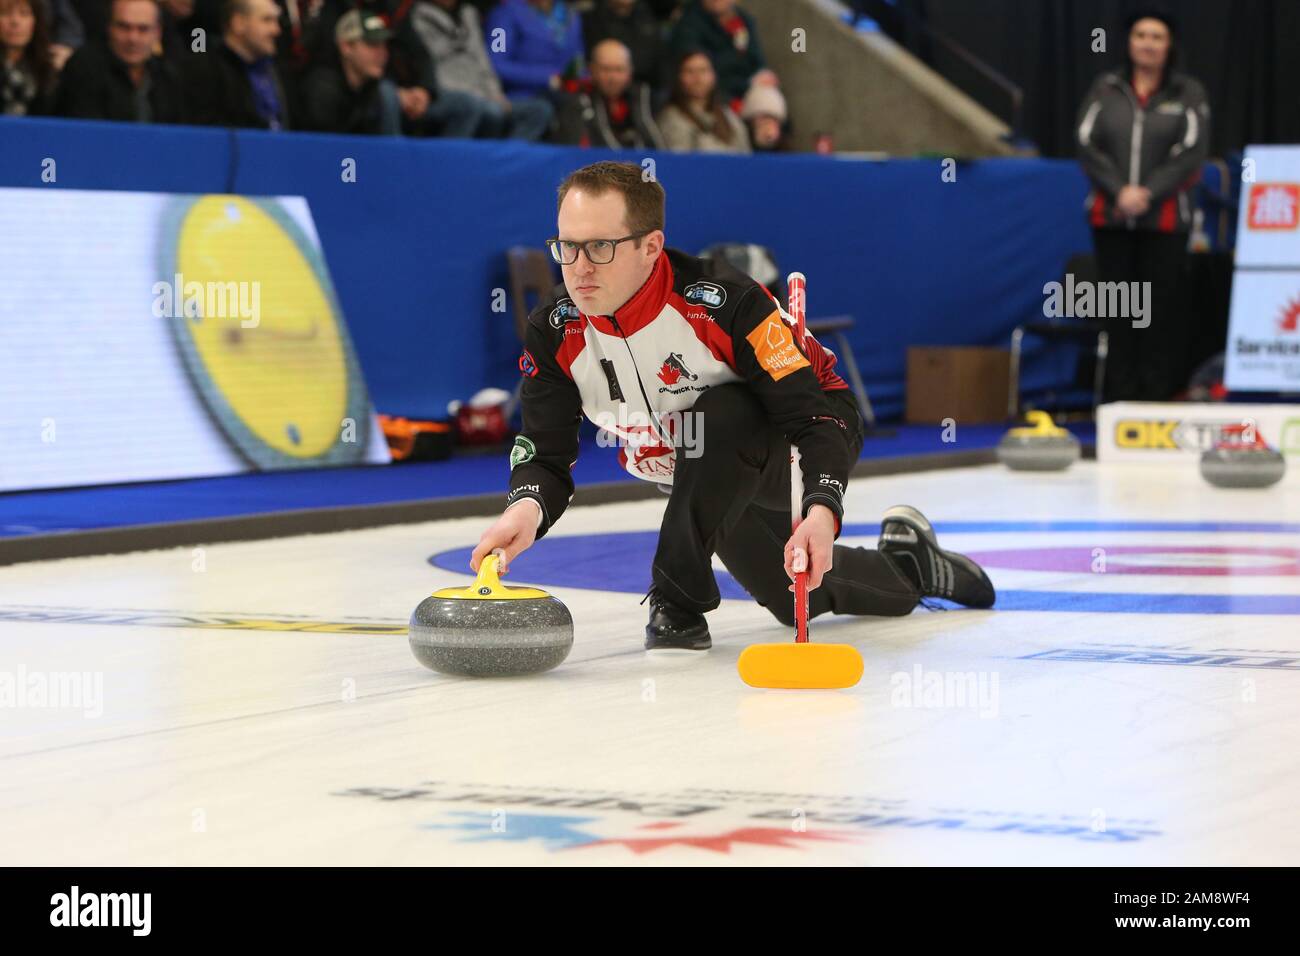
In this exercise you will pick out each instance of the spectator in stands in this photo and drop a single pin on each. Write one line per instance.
(665, 10)
(453, 35)
(1143, 136)
(610, 110)
(181, 18)
(539, 48)
(299, 26)
(343, 94)
(635, 25)
(123, 79)
(236, 83)
(696, 119)
(409, 66)
(93, 15)
(728, 35)
(26, 66)
(65, 30)
(425, 109)
(763, 110)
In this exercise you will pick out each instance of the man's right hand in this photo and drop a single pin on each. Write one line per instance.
(514, 533)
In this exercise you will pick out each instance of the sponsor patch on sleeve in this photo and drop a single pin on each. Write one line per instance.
(527, 365)
(775, 349)
(523, 451)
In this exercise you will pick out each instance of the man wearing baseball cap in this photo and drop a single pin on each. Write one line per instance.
(409, 83)
(345, 97)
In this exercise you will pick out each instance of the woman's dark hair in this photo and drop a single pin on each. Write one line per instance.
(36, 55)
(717, 124)
(1172, 58)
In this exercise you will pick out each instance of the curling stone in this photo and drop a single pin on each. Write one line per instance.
(1040, 446)
(490, 630)
(1242, 461)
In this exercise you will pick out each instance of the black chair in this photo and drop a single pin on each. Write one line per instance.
(1075, 331)
(532, 277)
(759, 264)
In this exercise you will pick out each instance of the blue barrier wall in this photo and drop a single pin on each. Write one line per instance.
(416, 244)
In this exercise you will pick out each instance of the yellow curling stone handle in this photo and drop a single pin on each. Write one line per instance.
(1040, 425)
(488, 587)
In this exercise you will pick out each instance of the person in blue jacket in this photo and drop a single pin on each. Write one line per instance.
(534, 45)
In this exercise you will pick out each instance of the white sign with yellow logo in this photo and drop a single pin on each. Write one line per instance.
(1174, 433)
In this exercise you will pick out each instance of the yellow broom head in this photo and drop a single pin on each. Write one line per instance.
(800, 666)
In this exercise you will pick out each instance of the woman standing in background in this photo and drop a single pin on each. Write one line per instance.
(1143, 136)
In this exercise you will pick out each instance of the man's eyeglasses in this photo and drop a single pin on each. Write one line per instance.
(599, 251)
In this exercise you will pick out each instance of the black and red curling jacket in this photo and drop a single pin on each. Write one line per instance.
(694, 324)
(1160, 142)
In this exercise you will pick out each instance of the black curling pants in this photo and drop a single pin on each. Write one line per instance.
(733, 500)
(1146, 364)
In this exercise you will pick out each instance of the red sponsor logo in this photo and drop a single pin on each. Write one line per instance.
(674, 369)
(646, 455)
(1289, 320)
(1273, 206)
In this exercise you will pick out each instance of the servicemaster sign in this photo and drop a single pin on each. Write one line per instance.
(151, 336)
(1263, 349)
(1263, 352)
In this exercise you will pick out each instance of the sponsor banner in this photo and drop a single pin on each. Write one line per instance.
(1268, 228)
(1177, 433)
(1263, 350)
(152, 336)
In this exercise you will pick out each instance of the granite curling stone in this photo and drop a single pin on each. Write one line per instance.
(1040, 446)
(491, 630)
(1242, 460)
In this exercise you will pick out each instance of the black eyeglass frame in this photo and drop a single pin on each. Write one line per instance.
(554, 246)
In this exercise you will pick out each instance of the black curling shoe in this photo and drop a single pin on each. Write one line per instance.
(908, 538)
(674, 628)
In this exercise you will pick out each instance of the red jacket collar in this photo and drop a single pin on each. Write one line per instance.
(640, 310)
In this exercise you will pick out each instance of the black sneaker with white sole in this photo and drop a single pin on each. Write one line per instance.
(674, 628)
(909, 539)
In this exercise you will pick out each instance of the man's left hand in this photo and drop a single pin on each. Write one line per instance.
(816, 535)
(415, 101)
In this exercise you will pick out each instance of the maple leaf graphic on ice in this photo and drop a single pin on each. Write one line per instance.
(722, 842)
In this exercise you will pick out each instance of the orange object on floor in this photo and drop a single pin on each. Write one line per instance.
(413, 440)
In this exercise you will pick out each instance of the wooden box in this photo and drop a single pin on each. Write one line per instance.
(965, 383)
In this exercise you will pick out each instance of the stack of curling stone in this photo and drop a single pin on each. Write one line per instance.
(490, 630)
(1040, 446)
(1241, 459)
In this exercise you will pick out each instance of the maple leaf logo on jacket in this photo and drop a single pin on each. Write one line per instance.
(673, 369)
